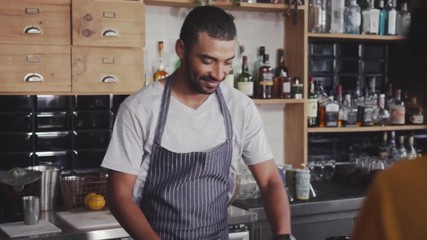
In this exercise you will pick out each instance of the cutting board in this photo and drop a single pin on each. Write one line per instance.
(85, 219)
(19, 229)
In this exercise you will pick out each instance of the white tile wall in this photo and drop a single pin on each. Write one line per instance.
(254, 29)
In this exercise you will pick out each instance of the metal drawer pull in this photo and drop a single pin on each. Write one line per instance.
(33, 30)
(109, 79)
(108, 60)
(34, 11)
(110, 33)
(34, 77)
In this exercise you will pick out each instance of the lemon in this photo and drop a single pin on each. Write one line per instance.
(96, 202)
(87, 197)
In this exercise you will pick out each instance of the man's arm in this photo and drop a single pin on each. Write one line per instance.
(275, 199)
(126, 211)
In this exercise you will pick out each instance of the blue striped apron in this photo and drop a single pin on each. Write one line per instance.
(185, 194)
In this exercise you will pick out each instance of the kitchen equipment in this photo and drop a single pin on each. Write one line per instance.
(19, 229)
(49, 185)
(31, 208)
(75, 188)
(83, 219)
(14, 184)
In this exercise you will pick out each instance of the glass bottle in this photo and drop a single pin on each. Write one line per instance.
(350, 112)
(245, 82)
(397, 110)
(393, 155)
(316, 16)
(322, 99)
(352, 18)
(340, 104)
(258, 62)
(312, 104)
(282, 81)
(265, 79)
(370, 19)
(370, 103)
(331, 112)
(383, 18)
(411, 151)
(414, 112)
(401, 150)
(337, 16)
(161, 69)
(297, 89)
(383, 148)
(392, 16)
(382, 114)
(404, 20)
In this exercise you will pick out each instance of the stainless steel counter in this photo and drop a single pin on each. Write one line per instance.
(236, 216)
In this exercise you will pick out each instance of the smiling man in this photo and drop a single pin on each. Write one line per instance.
(176, 144)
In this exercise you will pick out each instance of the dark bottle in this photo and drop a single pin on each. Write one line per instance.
(265, 79)
(244, 80)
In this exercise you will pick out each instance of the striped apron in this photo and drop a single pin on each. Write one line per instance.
(185, 194)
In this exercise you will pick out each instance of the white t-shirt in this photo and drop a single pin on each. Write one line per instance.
(186, 130)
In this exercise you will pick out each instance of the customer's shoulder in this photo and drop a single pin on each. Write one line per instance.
(407, 168)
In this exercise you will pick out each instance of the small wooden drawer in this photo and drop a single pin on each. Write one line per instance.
(108, 23)
(107, 70)
(35, 22)
(31, 68)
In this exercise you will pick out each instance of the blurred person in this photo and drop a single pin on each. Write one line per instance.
(176, 143)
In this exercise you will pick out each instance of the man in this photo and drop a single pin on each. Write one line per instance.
(176, 143)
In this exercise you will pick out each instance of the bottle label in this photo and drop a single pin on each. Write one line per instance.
(374, 18)
(312, 108)
(287, 87)
(397, 115)
(246, 87)
(417, 119)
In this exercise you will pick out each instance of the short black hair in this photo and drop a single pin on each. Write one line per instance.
(213, 20)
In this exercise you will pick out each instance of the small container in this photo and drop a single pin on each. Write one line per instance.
(302, 185)
(31, 209)
(297, 89)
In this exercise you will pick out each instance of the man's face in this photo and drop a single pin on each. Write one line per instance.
(208, 62)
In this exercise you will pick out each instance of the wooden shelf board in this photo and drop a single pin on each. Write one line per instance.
(263, 7)
(278, 101)
(366, 129)
(325, 36)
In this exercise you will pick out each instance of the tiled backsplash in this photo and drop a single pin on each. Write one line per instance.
(71, 131)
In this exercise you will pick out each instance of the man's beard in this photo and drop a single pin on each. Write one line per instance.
(194, 83)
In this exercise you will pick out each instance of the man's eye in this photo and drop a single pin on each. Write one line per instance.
(207, 61)
(228, 63)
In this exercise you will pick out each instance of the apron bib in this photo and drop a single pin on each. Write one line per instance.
(185, 194)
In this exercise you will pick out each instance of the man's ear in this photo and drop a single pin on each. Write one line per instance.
(180, 48)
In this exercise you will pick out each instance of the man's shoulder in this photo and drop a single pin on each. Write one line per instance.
(146, 96)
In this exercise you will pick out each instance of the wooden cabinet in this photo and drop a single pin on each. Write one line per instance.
(102, 69)
(33, 68)
(35, 22)
(108, 23)
(106, 37)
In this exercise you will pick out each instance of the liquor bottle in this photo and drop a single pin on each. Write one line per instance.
(312, 104)
(370, 19)
(282, 81)
(229, 79)
(393, 155)
(414, 112)
(322, 99)
(258, 62)
(403, 20)
(331, 112)
(350, 112)
(245, 82)
(161, 69)
(401, 150)
(370, 103)
(340, 104)
(316, 16)
(382, 115)
(383, 18)
(392, 16)
(397, 110)
(352, 18)
(337, 16)
(265, 79)
(383, 148)
(297, 88)
(411, 151)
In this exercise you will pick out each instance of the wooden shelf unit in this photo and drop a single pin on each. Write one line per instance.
(357, 37)
(366, 129)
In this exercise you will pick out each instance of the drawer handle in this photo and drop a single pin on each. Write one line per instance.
(32, 11)
(110, 33)
(34, 77)
(109, 79)
(33, 30)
